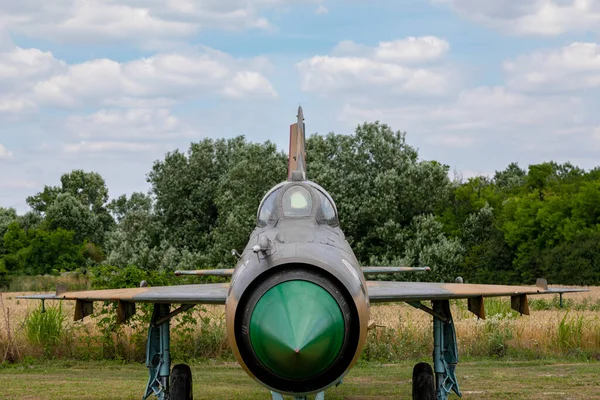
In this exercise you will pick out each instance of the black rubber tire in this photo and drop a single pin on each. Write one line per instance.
(423, 383)
(181, 383)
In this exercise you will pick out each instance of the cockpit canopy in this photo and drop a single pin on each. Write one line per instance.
(303, 199)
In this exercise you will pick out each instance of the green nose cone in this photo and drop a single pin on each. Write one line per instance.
(296, 329)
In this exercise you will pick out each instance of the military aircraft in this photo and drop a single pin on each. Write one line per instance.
(298, 304)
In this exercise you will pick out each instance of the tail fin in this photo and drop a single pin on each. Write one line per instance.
(297, 155)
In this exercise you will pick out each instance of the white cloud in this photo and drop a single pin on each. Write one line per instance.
(159, 79)
(5, 154)
(12, 105)
(490, 126)
(476, 111)
(138, 124)
(470, 124)
(321, 10)
(391, 67)
(18, 65)
(412, 49)
(324, 74)
(537, 17)
(496, 108)
(134, 21)
(595, 138)
(570, 68)
(20, 69)
(101, 147)
(17, 184)
(6, 43)
(417, 50)
(30, 78)
(450, 140)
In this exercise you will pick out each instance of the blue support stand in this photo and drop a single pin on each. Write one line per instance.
(445, 350)
(158, 353)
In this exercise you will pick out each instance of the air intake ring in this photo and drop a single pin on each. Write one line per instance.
(271, 334)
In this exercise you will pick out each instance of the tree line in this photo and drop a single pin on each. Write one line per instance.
(395, 209)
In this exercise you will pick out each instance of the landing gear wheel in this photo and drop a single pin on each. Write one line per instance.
(181, 383)
(423, 384)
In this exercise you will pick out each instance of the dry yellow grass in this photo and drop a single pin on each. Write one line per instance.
(403, 331)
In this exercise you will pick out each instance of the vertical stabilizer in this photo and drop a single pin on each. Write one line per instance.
(297, 154)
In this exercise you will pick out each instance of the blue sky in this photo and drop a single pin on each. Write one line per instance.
(111, 86)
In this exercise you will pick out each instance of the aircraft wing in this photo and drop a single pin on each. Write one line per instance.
(206, 272)
(415, 292)
(209, 293)
(393, 270)
(385, 291)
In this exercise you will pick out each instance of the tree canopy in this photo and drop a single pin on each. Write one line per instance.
(395, 209)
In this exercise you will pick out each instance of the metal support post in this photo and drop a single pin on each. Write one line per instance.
(438, 365)
(158, 354)
(445, 351)
(560, 300)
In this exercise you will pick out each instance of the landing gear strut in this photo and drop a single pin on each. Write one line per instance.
(158, 359)
(445, 356)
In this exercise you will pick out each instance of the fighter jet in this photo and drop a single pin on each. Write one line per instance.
(298, 303)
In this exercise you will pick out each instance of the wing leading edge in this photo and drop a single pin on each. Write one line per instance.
(209, 293)
(385, 291)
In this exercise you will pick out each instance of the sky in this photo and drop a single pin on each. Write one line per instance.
(111, 86)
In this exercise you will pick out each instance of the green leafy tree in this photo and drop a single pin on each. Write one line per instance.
(138, 202)
(68, 213)
(206, 200)
(136, 239)
(88, 189)
(252, 170)
(15, 248)
(52, 252)
(38, 252)
(429, 246)
(40, 202)
(7, 216)
(513, 177)
(379, 186)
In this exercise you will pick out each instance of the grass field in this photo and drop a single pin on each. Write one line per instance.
(572, 332)
(552, 354)
(486, 379)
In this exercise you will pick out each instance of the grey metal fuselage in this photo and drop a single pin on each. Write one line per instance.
(295, 241)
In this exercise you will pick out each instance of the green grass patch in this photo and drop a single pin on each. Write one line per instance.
(484, 379)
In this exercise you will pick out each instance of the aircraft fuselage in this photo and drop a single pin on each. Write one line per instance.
(297, 310)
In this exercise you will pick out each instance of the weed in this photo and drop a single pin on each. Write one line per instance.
(570, 332)
(48, 283)
(44, 327)
(403, 333)
(10, 352)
